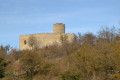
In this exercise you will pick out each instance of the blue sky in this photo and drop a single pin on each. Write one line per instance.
(19, 17)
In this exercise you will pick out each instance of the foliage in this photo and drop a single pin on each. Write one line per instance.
(115, 76)
(3, 64)
(89, 56)
(70, 76)
(31, 63)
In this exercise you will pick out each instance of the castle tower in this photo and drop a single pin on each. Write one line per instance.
(58, 28)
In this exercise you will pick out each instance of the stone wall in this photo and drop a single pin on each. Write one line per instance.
(43, 39)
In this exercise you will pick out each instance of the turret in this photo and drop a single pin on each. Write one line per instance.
(58, 28)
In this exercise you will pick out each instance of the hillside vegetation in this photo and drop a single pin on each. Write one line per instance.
(88, 57)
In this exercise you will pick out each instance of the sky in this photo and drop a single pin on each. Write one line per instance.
(21, 17)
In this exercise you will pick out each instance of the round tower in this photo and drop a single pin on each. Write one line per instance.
(58, 28)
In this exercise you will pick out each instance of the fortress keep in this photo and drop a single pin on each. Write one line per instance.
(46, 39)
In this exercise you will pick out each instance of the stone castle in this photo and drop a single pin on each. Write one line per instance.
(46, 39)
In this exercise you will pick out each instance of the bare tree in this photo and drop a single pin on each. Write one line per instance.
(88, 38)
(107, 33)
(63, 38)
(32, 42)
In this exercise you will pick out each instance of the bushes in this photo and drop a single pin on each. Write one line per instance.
(3, 64)
(5, 78)
(89, 57)
(70, 76)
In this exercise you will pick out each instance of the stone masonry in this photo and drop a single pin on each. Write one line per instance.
(46, 39)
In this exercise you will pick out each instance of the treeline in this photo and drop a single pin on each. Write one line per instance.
(88, 57)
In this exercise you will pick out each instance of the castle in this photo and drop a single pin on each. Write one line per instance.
(45, 39)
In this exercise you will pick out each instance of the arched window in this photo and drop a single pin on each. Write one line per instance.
(25, 42)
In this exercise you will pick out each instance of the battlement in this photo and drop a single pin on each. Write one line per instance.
(46, 34)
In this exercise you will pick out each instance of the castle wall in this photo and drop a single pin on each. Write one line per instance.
(43, 39)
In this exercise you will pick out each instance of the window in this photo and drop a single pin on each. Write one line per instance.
(25, 42)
